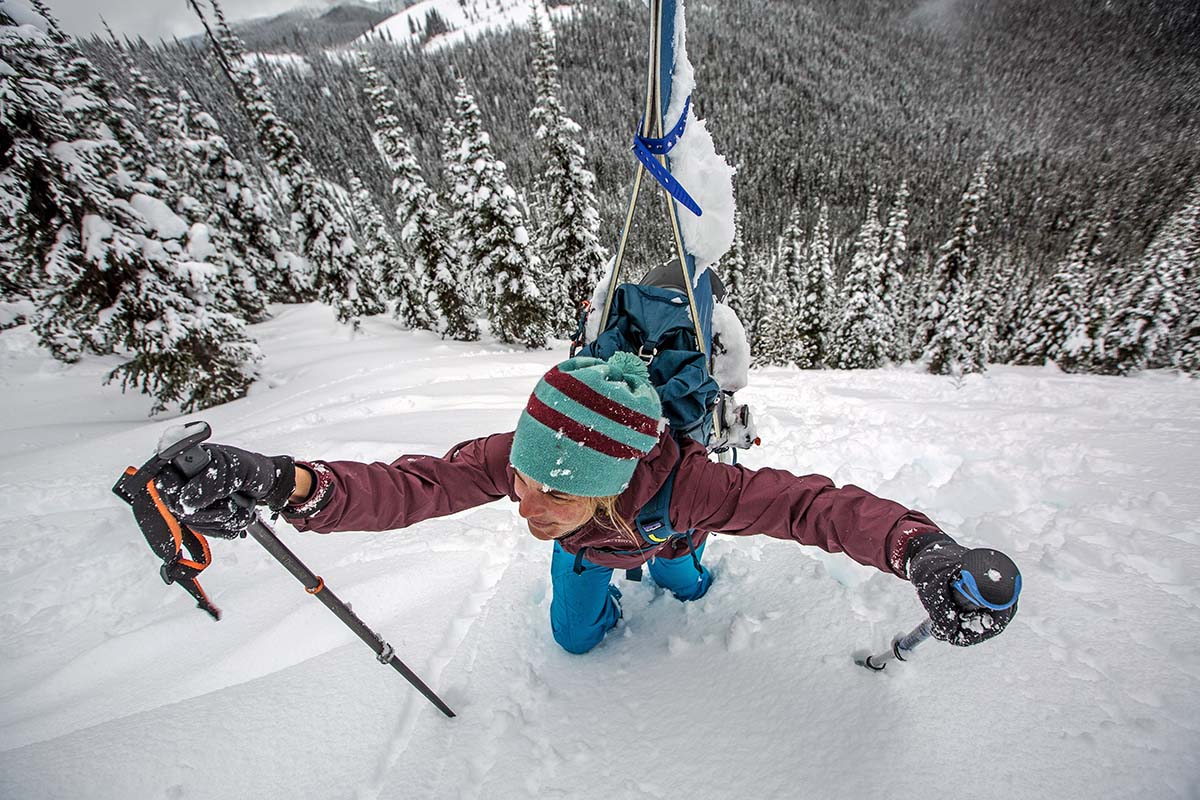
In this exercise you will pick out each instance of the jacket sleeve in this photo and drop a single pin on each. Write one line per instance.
(381, 497)
(723, 498)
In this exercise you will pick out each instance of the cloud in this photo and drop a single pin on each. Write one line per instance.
(155, 19)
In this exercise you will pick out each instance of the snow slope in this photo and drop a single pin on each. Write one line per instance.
(467, 19)
(113, 685)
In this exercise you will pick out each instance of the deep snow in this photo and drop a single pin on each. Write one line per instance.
(114, 685)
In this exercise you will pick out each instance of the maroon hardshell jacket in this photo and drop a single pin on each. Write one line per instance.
(708, 496)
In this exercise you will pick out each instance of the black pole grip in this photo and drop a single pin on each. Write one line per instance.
(181, 447)
(994, 576)
(186, 455)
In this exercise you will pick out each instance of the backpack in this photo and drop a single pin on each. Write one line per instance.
(652, 320)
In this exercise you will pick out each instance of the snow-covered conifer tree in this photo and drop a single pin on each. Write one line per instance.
(569, 234)
(757, 294)
(893, 256)
(1187, 354)
(1063, 323)
(953, 331)
(382, 255)
(180, 183)
(492, 230)
(1181, 345)
(775, 337)
(118, 271)
(735, 272)
(816, 318)
(425, 239)
(1137, 334)
(861, 328)
(338, 273)
(239, 206)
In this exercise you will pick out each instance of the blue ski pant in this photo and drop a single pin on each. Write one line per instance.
(584, 606)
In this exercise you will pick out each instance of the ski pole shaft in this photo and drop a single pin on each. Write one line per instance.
(315, 585)
(901, 646)
(183, 451)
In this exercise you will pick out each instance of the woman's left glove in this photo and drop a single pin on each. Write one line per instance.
(970, 594)
(206, 500)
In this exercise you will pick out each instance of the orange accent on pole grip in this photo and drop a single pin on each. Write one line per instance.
(172, 523)
(320, 585)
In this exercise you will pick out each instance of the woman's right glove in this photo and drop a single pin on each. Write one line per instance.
(935, 566)
(206, 501)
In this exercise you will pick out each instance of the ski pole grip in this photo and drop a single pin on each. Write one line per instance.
(989, 580)
(181, 447)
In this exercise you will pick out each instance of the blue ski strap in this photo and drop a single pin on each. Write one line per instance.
(646, 148)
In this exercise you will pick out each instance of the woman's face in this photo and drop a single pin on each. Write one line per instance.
(550, 514)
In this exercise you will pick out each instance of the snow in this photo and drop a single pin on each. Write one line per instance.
(286, 61)
(113, 685)
(22, 13)
(159, 216)
(467, 20)
(731, 364)
(96, 233)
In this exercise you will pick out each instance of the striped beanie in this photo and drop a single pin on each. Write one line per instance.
(586, 425)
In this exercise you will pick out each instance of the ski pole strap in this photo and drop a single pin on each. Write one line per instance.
(168, 539)
(647, 148)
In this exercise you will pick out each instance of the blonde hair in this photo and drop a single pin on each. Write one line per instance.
(604, 512)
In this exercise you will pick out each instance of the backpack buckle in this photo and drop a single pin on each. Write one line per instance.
(647, 357)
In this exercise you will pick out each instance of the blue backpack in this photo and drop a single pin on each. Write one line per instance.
(654, 322)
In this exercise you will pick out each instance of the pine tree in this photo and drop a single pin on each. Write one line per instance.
(117, 271)
(240, 207)
(1182, 343)
(1187, 356)
(758, 295)
(775, 340)
(817, 318)
(734, 270)
(1137, 334)
(1063, 322)
(861, 328)
(183, 188)
(338, 274)
(893, 266)
(953, 331)
(492, 229)
(569, 236)
(1001, 290)
(382, 256)
(432, 258)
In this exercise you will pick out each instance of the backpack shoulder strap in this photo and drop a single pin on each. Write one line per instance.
(654, 520)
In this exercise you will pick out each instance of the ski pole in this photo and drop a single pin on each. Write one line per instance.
(999, 591)
(185, 454)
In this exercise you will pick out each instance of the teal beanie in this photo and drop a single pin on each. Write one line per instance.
(587, 423)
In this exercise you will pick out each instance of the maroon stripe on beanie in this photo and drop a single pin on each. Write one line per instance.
(576, 432)
(590, 399)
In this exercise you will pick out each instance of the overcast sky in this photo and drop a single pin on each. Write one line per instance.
(156, 19)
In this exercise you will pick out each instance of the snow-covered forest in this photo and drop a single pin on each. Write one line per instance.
(965, 255)
(912, 186)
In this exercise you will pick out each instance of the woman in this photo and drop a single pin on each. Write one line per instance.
(589, 453)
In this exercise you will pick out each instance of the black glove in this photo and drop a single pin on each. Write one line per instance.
(205, 501)
(935, 563)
